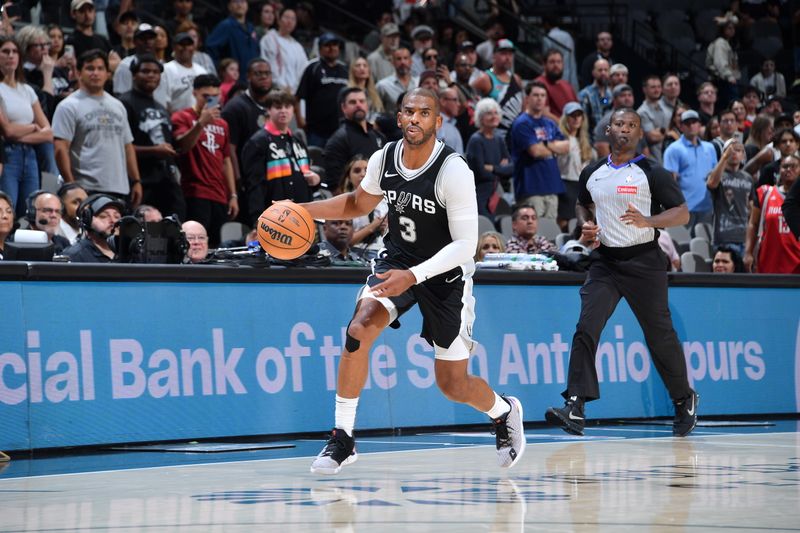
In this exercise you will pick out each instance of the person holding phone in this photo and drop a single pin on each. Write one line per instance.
(202, 138)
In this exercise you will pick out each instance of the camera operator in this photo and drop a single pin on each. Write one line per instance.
(99, 217)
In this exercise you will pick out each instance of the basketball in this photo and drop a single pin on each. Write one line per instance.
(286, 230)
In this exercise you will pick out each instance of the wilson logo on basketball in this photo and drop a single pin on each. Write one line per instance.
(276, 235)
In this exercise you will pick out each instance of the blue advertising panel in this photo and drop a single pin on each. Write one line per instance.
(149, 361)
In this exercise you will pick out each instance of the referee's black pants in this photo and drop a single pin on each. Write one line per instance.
(642, 281)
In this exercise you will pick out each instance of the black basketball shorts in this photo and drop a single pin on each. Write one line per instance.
(445, 302)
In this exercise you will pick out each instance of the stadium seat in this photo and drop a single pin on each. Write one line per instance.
(694, 263)
(701, 247)
(485, 224)
(232, 231)
(704, 230)
(504, 223)
(681, 237)
(548, 229)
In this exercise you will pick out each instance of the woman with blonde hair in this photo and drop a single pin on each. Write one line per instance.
(361, 76)
(490, 242)
(575, 127)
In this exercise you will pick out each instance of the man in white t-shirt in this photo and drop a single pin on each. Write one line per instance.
(179, 74)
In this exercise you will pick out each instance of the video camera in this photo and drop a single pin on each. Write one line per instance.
(151, 242)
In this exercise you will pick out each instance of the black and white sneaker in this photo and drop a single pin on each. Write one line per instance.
(570, 418)
(685, 415)
(340, 450)
(509, 434)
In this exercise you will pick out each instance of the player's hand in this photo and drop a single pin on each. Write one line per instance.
(165, 150)
(312, 178)
(748, 261)
(395, 283)
(634, 217)
(589, 231)
(209, 115)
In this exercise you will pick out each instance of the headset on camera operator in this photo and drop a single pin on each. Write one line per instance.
(99, 217)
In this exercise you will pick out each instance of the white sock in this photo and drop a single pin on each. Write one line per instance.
(346, 413)
(499, 408)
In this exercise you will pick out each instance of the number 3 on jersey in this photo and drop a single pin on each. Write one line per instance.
(409, 229)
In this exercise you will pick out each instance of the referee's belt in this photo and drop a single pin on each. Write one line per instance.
(627, 252)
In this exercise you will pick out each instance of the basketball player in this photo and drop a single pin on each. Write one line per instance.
(620, 200)
(433, 232)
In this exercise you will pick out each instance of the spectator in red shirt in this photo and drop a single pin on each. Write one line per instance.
(559, 91)
(202, 138)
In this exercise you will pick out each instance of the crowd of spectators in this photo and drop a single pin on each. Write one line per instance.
(213, 122)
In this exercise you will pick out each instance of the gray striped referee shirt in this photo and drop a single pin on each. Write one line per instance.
(648, 186)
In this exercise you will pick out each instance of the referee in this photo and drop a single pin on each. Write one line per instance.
(621, 200)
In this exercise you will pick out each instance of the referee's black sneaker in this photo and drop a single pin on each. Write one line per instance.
(685, 415)
(570, 418)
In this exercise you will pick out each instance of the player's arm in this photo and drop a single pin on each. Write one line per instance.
(344, 206)
(353, 204)
(458, 190)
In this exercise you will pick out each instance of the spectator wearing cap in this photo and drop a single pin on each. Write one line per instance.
(93, 141)
(84, 37)
(691, 159)
(655, 116)
(769, 81)
(286, 56)
(320, 84)
(380, 60)
(421, 39)
(535, 142)
(604, 43)
(470, 64)
(559, 91)
(125, 26)
(621, 97)
(99, 215)
(575, 129)
(354, 136)
(502, 83)
(234, 37)
(152, 138)
(617, 75)
(144, 40)
(596, 97)
(372, 40)
(732, 191)
(390, 88)
(180, 73)
(562, 41)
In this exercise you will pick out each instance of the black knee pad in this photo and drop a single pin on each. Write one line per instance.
(351, 344)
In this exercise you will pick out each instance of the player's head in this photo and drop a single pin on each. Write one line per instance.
(624, 129)
(419, 117)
